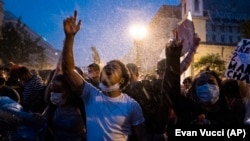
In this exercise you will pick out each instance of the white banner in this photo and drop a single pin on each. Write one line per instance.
(239, 65)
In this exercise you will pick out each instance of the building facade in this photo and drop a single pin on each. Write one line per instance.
(217, 22)
(51, 54)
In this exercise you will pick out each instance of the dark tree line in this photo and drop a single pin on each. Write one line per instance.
(17, 46)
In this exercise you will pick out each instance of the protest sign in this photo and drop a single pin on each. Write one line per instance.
(186, 32)
(239, 65)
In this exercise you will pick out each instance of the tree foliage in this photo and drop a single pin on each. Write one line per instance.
(211, 61)
(17, 46)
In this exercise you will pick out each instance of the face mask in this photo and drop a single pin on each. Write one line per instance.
(57, 99)
(208, 93)
(109, 89)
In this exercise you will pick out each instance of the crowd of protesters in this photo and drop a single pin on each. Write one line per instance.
(112, 103)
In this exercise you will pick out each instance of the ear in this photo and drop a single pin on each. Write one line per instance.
(122, 81)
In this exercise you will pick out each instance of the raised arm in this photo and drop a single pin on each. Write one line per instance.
(68, 65)
(171, 80)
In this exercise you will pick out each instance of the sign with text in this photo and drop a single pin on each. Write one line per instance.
(239, 65)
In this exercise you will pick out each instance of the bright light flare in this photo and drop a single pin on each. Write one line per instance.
(138, 31)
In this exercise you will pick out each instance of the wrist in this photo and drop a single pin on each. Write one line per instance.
(69, 36)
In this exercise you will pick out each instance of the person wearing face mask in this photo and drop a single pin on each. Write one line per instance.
(6, 90)
(110, 114)
(206, 91)
(206, 103)
(65, 116)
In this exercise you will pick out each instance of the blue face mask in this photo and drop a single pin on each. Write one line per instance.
(208, 93)
(57, 99)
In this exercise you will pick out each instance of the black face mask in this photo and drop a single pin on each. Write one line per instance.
(2, 81)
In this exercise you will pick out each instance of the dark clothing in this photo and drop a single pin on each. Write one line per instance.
(10, 92)
(66, 123)
(155, 110)
(33, 93)
(187, 109)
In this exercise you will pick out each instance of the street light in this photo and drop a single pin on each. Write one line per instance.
(138, 32)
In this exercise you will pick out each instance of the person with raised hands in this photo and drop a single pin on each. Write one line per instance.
(110, 114)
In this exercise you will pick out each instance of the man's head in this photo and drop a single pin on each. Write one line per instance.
(93, 71)
(134, 71)
(115, 72)
(161, 66)
(24, 73)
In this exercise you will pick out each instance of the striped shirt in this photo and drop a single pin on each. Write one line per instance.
(32, 89)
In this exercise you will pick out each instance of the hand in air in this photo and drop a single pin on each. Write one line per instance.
(70, 25)
(177, 42)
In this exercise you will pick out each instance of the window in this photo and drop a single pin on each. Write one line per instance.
(230, 29)
(231, 39)
(239, 38)
(214, 38)
(196, 5)
(222, 29)
(222, 38)
(213, 27)
(238, 28)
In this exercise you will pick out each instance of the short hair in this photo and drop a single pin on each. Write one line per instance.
(95, 66)
(133, 68)
(23, 71)
(161, 66)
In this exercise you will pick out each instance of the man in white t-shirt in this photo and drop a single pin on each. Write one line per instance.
(110, 114)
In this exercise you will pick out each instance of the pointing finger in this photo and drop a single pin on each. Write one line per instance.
(75, 15)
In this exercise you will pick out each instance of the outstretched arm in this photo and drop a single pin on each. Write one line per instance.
(68, 65)
(171, 84)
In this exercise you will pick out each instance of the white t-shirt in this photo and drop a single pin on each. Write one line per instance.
(109, 118)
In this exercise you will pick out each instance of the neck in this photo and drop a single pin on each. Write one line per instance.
(113, 93)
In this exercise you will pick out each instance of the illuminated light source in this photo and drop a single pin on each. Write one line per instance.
(138, 32)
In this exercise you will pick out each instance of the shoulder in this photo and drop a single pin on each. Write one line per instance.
(128, 99)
